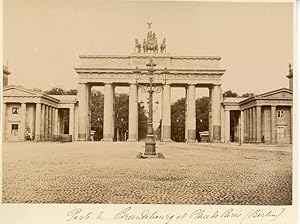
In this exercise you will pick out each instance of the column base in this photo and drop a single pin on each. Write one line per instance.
(216, 141)
(132, 140)
(166, 133)
(217, 133)
(191, 141)
(37, 138)
(167, 140)
(106, 140)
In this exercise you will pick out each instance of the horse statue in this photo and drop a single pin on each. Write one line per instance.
(163, 46)
(144, 46)
(138, 45)
(155, 47)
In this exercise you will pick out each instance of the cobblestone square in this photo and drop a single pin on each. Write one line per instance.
(110, 173)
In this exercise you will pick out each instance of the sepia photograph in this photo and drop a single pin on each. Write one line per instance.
(148, 102)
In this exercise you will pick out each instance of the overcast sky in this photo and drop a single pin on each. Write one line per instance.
(43, 39)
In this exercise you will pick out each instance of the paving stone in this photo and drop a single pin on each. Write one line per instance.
(110, 173)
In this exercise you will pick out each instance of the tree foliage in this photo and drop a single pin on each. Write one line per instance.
(202, 113)
(71, 92)
(97, 110)
(60, 91)
(142, 122)
(229, 93)
(178, 120)
(247, 95)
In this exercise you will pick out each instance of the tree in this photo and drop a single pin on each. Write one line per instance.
(56, 91)
(121, 116)
(229, 93)
(178, 120)
(97, 110)
(60, 91)
(71, 92)
(202, 114)
(248, 95)
(142, 122)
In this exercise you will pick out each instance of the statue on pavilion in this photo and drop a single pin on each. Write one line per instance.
(150, 44)
(137, 46)
(163, 46)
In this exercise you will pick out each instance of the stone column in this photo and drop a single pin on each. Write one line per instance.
(242, 123)
(251, 125)
(53, 124)
(291, 123)
(46, 122)
(108, 112)
(42, 127)
(246, 126)
(216, 113)
(191, 114)
(71, 122)
(210, 115)
(166, 114)
(83, 112)
(227, 126)
(133, 113)
(4, 121)
(37, 122)
(89, 112)
(113, 114)
(273, 125)
(258, 124)
(185, 115)
(76, 123)
(50, 123)
(254, 124)
(55, 128)
(23, 121)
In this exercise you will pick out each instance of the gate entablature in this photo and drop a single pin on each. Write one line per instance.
(198, 77)
(120, 69)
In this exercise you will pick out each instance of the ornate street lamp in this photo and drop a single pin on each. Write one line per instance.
(150, 88)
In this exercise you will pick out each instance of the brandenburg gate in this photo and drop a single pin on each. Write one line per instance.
(110, 71)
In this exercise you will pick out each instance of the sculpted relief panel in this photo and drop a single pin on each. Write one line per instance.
(162, 62)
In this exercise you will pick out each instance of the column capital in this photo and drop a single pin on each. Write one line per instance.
(216, 85)
(191, 84)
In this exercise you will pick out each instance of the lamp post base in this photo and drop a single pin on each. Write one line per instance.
(150, 149)
(150, 146)
(144, 156)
